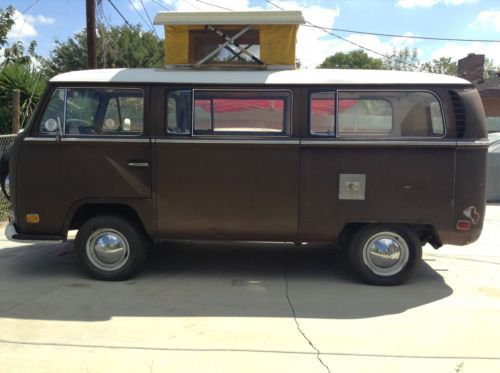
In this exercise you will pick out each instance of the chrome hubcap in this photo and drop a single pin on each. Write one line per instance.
(108, 249)
(386, 253)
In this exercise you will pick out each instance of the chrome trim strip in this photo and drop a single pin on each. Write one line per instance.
(82, 139)
(244, 142)
(39, 139)
(385, 143)
(334, 142)
(138, 164)
(95, 139)
(474, 143)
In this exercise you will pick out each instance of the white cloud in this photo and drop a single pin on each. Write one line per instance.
(40, 19)
(430, 3)
(219, 5)
(458, 51)
(313, 44)
(22, 28)
(488, 18)
(138, 5)
(416, 3)
(24, 25)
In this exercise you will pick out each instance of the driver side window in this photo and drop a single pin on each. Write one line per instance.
(81, 110)
(94, 111)
(53, 117)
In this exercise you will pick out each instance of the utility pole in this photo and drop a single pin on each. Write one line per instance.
(91, 36)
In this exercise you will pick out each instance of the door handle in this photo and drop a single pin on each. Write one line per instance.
(138, 164)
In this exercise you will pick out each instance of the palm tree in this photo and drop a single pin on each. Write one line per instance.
(29, 81)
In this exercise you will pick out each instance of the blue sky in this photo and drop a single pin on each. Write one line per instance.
(46, 21)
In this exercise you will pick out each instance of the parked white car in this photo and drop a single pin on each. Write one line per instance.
(493, 183)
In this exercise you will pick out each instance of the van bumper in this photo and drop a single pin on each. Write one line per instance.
(12, 235)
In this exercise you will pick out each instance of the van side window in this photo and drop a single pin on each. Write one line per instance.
(436, 118)
(322, 113)
(53, 117)
(94, 111)
(242, 112)
(178, 112)
(129, 106)
(390, 113)
(81, 111)
(368, 113)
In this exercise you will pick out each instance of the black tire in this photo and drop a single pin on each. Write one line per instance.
(111, 248)
(378, 269)
(4, 168)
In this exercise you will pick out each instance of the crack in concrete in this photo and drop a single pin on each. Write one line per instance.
(285, 276)
(224, 350)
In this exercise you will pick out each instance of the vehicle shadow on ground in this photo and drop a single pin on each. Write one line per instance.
(205, 279)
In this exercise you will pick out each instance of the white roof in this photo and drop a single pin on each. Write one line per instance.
(289, 17)
(287, 77)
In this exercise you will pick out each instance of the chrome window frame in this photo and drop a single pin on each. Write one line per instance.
(165, 112)
(92, 136)
(309, 111)
(287, 127)
(337, 92)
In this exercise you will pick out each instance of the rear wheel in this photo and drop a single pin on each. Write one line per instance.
(385, 254)
(110, 247)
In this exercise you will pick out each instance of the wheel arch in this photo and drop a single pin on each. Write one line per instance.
(86, 211)
(426, 232)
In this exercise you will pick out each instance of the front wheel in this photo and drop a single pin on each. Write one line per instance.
(385, 254)
(111, 248)
(4, 171)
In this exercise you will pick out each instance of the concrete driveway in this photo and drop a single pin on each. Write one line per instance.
(250, 308)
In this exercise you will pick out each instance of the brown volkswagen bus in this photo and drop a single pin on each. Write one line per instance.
(378, 162)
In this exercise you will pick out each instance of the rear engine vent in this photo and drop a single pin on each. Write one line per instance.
(459, 110)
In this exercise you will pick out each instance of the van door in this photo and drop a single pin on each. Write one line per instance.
(227, 165)
(89, 145)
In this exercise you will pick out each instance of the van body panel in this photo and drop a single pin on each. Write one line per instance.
(403, 185)
(474, 114)
(142, 207)
(245, 190)
(91, 170)
(470, 193)
(57, 173)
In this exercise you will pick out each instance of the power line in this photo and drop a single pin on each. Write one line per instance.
(273, 4)
(149, 18)
(325, 29)
(24, 17)
(395, 35)
(216, 6)
(140, 15)
(164, 6)
(120, 13)
(412, 36)
(194, 6)
(28, 8)
(347, 40)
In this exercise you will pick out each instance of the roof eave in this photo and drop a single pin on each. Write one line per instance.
(289, 17)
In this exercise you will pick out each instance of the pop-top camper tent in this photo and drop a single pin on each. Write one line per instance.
(262, 39)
